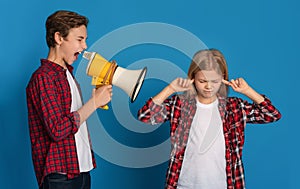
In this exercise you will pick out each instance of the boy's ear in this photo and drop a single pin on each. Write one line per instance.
(58, 38)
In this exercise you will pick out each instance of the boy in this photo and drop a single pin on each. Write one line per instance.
(61, 149)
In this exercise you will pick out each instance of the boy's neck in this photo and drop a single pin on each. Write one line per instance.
(53, 56)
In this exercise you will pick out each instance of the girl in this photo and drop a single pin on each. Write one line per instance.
(207, 127)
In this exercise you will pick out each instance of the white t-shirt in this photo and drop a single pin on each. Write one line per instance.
(81, 137)
(204, 164)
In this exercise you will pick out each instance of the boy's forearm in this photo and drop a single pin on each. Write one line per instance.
(86, 110)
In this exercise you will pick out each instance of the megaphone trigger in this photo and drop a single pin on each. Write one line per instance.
(105, 107)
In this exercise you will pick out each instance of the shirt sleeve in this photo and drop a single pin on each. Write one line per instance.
(153, 114)
(58, 123)
(265, 112)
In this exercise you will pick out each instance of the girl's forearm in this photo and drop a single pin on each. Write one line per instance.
(254, 96)
(163, 95)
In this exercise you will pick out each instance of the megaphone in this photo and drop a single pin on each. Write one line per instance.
(104, 72)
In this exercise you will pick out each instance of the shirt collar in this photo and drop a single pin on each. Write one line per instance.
(56, 67)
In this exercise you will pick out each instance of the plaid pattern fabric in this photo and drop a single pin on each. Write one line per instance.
(51, 124)
(235, 113)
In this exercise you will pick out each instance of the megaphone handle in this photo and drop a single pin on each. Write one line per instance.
(104, 107)
(110, 71)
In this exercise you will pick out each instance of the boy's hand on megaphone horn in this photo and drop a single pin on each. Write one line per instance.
(102, 95)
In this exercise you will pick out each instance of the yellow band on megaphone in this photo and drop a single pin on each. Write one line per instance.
(96, 65)
(99, 81)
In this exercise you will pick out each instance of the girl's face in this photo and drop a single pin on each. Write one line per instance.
(207, 84)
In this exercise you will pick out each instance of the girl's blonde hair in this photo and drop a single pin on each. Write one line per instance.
(210, 59)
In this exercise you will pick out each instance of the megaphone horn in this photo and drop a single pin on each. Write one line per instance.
(104, 72)
(129, 80)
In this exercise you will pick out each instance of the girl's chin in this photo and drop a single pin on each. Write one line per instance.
(208, 94)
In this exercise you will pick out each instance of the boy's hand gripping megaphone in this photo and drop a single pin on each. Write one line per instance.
(105, 73)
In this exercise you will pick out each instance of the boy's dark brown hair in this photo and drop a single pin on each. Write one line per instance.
(62, 21)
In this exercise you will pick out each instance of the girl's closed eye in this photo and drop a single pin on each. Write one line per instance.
(216, 81)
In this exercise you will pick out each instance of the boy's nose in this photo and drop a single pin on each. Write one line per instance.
(84, 46)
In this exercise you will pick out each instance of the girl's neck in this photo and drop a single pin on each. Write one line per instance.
(207, 100)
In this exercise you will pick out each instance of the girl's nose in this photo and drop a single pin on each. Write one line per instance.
(208, 85)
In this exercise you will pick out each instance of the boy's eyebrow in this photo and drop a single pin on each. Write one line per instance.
(82, 37)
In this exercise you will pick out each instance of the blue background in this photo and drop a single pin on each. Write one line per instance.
(259, 39)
